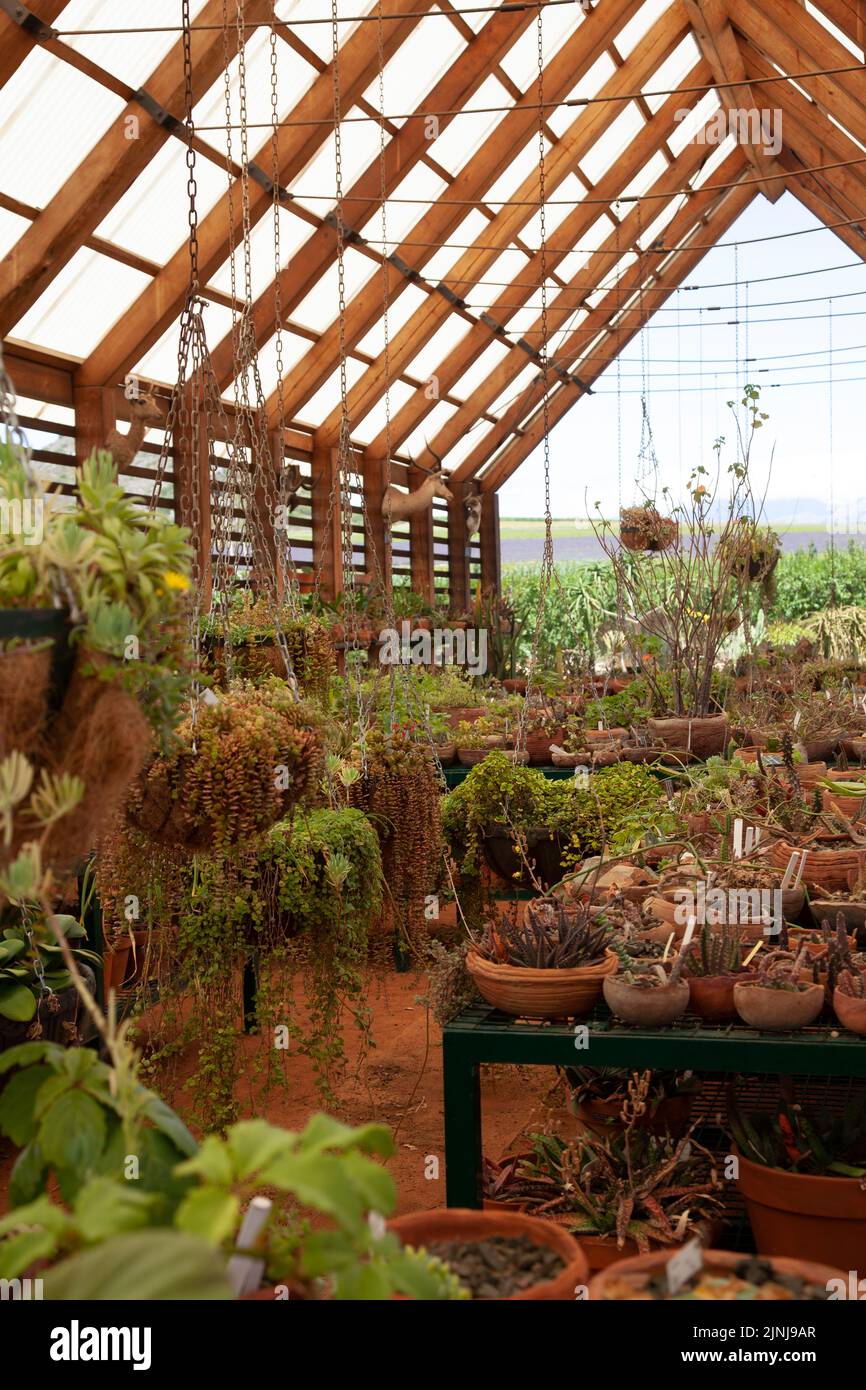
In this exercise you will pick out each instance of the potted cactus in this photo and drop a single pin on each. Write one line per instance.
(550, 965)
(713, 965)
(652, 995)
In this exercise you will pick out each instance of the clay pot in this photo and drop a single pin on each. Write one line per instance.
(462, 715)
(780, 1009)
(446, 753)
(652, 1263)
(851, 1012)
(651, 1008)
(827, 910)
(543, 850)
(115, 965)
(854, 749)
(527, 993)
(711, 997)
(538, 747)
(827, 868)
(424, 1228)
(515, 685)
(469, 757)
(671, 1116)
(815, 1218)
(559, 758)
(821, 748)
(851, 807)
(703, 737)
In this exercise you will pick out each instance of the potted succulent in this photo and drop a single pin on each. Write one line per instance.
(644, 528)
(777, 996)
(723, 1275)
(36, 992)
(652, 995)
(803, 1177)
(849, 1000)
(550, 965)
(713, 965)
(476, 738)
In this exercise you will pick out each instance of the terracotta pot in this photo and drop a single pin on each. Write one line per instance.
(469, 757)
(561, 759)
(425, 1228)
(538, 747)
(655, 1261)
(671, 1116)
(614, 735)
(703, 737)
(115, 965)
(711, 997)
(821, 747)
(854, 749)
(827, 910)
(815, 1218)
(851, 1012)
(463, 715)
(779, 1009)
(515, 685)
(651, 1008)
(851, 807)
(527, 993)
(827, 868)
(446, 753)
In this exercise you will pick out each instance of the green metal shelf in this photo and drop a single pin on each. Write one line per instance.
(482, 1035)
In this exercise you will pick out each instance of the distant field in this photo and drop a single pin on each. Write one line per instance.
(525, 528)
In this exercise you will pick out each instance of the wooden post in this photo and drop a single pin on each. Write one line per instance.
(192, 481)
(327, 548)
(94, 418)
(378, 538)
(458, 560)
(491, 560)
(421, 542)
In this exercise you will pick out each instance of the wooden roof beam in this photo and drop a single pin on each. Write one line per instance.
(733, 203)
(144, 322)
(406, 148)
(651, 140)
(578, 140)
(111, 167)
(718, 44)
(576, 348)
(588, 279)
(563, 71)
(16, 42)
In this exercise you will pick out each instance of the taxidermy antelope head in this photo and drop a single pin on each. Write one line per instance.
(143, 413)
(397, 505)
(472, 512)
(293, 482)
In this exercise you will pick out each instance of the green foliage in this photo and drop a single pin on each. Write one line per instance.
(808, 581)
(31, 964)
(817, 1142)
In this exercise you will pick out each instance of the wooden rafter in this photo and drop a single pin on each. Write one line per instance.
(16, 42)
(731, 204)
(151, 314)
(402, 152)
(564, 70)
(596, 272)
(112, 166)
(709, 19)
(651, 140)
(576, 143)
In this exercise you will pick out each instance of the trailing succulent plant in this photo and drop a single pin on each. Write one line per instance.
(715, 952)
(782, 970)
(852, 983)
(553, 936)
(653, 974)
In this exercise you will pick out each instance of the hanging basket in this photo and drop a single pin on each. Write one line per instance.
(643, 528)
(34, 673)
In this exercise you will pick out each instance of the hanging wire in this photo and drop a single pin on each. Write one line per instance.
(833, 594)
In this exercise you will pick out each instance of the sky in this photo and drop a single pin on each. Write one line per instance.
(812, 446)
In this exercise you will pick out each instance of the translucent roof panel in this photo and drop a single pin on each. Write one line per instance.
(131, 223)
(558, 23)
(400, 217)
(481, 368)
(618, 135)
(648, 175)
(438, 348)
(631, 34)
(563, 202)
(589, 86)
(262, 254)
(438, 417)
(673, 70)
(373, 423)
(51, 116)
(327, 398)
(506, 268)
(320, 307)
(462, 138)
(686, 129)
(838, 34)
(470, 229)
(11, 228)
(294, 77)
(519, 168)
(300, 13)
(416, 67)
(467, 442)
(402, 308)
(130, 56)
(316, 186)
(89, 294)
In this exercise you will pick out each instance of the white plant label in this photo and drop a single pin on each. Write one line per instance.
(682, 1266)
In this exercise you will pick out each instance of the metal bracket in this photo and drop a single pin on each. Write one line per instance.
(27, 21)
(158, 113)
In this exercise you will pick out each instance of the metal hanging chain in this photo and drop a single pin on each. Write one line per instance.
(833, 594)
(648, 463)
(547, 557)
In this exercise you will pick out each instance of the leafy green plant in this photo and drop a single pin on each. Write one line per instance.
(816, 1142)
(553, 935)
(30, 964)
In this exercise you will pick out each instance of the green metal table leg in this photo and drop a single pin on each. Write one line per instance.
(462, 1090)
